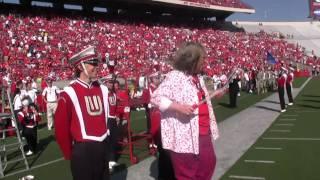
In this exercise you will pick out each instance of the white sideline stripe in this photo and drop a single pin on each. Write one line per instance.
(34, 167)
(280, 130)
(290, 115)
(268, 148)
(259, 161)
(287, 119)
(289, 124)
(307, 111)
(246, 177)
(292, 139)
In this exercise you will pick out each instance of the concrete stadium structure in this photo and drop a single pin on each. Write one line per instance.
(307, 34)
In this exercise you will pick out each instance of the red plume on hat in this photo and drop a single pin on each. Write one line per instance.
(87, 55)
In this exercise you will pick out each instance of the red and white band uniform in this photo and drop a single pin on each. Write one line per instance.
(123, 107)
(281, 84)
(50, 94)
(113, 126)
(112, 99)
(165, 168)
(82, 115)
(289, 81)
(29, 119)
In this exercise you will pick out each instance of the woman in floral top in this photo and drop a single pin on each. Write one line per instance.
(188, 123)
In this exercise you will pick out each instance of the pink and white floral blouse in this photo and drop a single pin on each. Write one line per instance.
(180, 133)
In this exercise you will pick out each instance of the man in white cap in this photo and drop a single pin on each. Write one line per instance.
(50, 94)
(81, 120)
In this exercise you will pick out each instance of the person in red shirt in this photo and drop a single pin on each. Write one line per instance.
(165, 168)
(281, 83)
(28, 117)
(289, 81)
(123, 107)
(81, 119)
(112, 121)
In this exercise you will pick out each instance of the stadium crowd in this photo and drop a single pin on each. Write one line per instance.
(39, 45)
(225, 3)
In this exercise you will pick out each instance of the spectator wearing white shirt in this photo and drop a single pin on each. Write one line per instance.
(246, 80)
(50, 94)
(31, 93)
(214, 81)
(17, 104)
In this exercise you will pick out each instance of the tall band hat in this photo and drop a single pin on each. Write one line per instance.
(87, 55)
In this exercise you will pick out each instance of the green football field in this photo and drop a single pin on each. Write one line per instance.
(289, 149)
(48, 163)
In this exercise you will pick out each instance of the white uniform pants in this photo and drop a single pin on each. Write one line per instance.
(51, 109)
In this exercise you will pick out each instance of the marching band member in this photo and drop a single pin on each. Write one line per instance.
(289, 81)
(81, 120)
(281, 83)
(112, 121)
(165, 169)
(29, 118)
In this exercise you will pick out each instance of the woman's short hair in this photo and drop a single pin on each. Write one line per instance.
(187, 57)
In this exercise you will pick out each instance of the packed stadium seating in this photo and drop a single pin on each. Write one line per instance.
(39, 45)
(225, 3)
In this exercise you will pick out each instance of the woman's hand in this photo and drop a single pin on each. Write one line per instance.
(182, 108)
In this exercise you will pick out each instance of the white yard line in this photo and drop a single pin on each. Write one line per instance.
(268, 148)
(289, 124)
(307, 111)
(291, 139)
(246, 177)
(280, 130)
(259, 161)
(291, 115)
(34, 167)
(287, 119)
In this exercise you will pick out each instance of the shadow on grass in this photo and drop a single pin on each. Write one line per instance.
(227, 105)
(43, 143)
(267, 108)
(153, 169)
(310, 100)
(31, 159)
(270, 101)
(120, 172)
(310, 95)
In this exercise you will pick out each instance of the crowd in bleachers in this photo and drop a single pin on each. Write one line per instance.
(225, 3)
(40, 45)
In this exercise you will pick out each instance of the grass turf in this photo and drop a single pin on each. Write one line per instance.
(298, 82)
(298, 157)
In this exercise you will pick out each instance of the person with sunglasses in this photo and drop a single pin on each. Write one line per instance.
(81, 120)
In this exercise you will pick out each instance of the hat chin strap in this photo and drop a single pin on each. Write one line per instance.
(85, 71)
